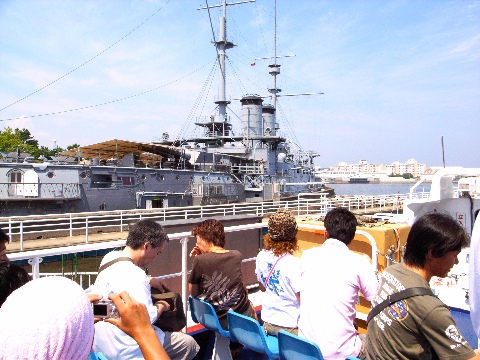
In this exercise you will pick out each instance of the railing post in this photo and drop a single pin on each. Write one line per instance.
(21, 235)
(86, 230)
(71, 225)
(121, 221)
(35, 263)
(184, 242)
(9, 230)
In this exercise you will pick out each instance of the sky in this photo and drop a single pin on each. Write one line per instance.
(396, 76)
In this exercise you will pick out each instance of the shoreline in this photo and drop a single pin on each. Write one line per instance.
(376, 182)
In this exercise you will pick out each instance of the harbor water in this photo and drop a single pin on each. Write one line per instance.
(376, 189)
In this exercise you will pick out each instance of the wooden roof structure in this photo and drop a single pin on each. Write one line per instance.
(116, 149)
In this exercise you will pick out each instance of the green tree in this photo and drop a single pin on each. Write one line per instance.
(22, 140)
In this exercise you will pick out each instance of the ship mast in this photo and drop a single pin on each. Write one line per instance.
(274, 68)
(222, 44)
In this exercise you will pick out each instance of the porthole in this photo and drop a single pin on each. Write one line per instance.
(50, 174)
(177, 177)
(83, 175)
(144, 177)
(162, 177)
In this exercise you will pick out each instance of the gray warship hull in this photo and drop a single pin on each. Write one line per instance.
(213, 166)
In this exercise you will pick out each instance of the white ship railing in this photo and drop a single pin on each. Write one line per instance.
(71, 224)
(35, 257)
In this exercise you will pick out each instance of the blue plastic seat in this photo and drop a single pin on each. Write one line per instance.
(248, 331)
(203, 313)
(293, 347)
(96, 356)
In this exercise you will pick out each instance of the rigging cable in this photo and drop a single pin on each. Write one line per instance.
(291, 131)
(211, 25)
(86, 62)
(108, 102)
(237, 77)
(186, 123)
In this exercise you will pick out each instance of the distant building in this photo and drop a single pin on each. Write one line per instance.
(411, 166)
(342, 169)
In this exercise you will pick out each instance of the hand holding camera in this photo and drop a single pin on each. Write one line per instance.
(104, 309)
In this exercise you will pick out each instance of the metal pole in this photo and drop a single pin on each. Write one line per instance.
(21, 235)
(86, 230)
(184, 242)
(443, 153)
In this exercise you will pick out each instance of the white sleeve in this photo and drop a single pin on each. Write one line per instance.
(474, 277)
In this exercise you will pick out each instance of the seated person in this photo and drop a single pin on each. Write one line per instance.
(124, 271)
(51, 318)
(332, 276)
(216, 275)
(420, 327)
(4, 239)
(47, 318)
(11, 278)
(278, 272)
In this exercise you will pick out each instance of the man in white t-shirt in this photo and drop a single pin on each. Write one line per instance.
(331, 277)
(123, 272)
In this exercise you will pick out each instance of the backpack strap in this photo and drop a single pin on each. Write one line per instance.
(106, 265)
(273, 267)
(404, 294)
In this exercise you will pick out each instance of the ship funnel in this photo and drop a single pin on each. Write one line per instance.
(252, 122)
(268, 113)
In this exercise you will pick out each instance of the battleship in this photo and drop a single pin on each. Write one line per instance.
(217, 166)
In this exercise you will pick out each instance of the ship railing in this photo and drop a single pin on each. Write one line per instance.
(249, 169)
(36, 257)
(73, 224)
(365, 202)
(53, 191)
(70, 224)
(83, 278)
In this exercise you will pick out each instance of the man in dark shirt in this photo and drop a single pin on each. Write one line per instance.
(420, 326)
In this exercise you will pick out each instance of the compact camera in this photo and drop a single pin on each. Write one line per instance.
(104, 309)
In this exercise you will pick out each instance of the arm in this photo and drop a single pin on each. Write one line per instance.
(161, 306)
(369, 283)
(195, 276)
(477, 354)
(193, 289)
(441, 331)
(134, 321)
(157, 284)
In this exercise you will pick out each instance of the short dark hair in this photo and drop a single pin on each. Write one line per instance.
(212, 231)
(4, 237)
(146, 231)
(11, 278)
(435, 231)
(341, 224)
